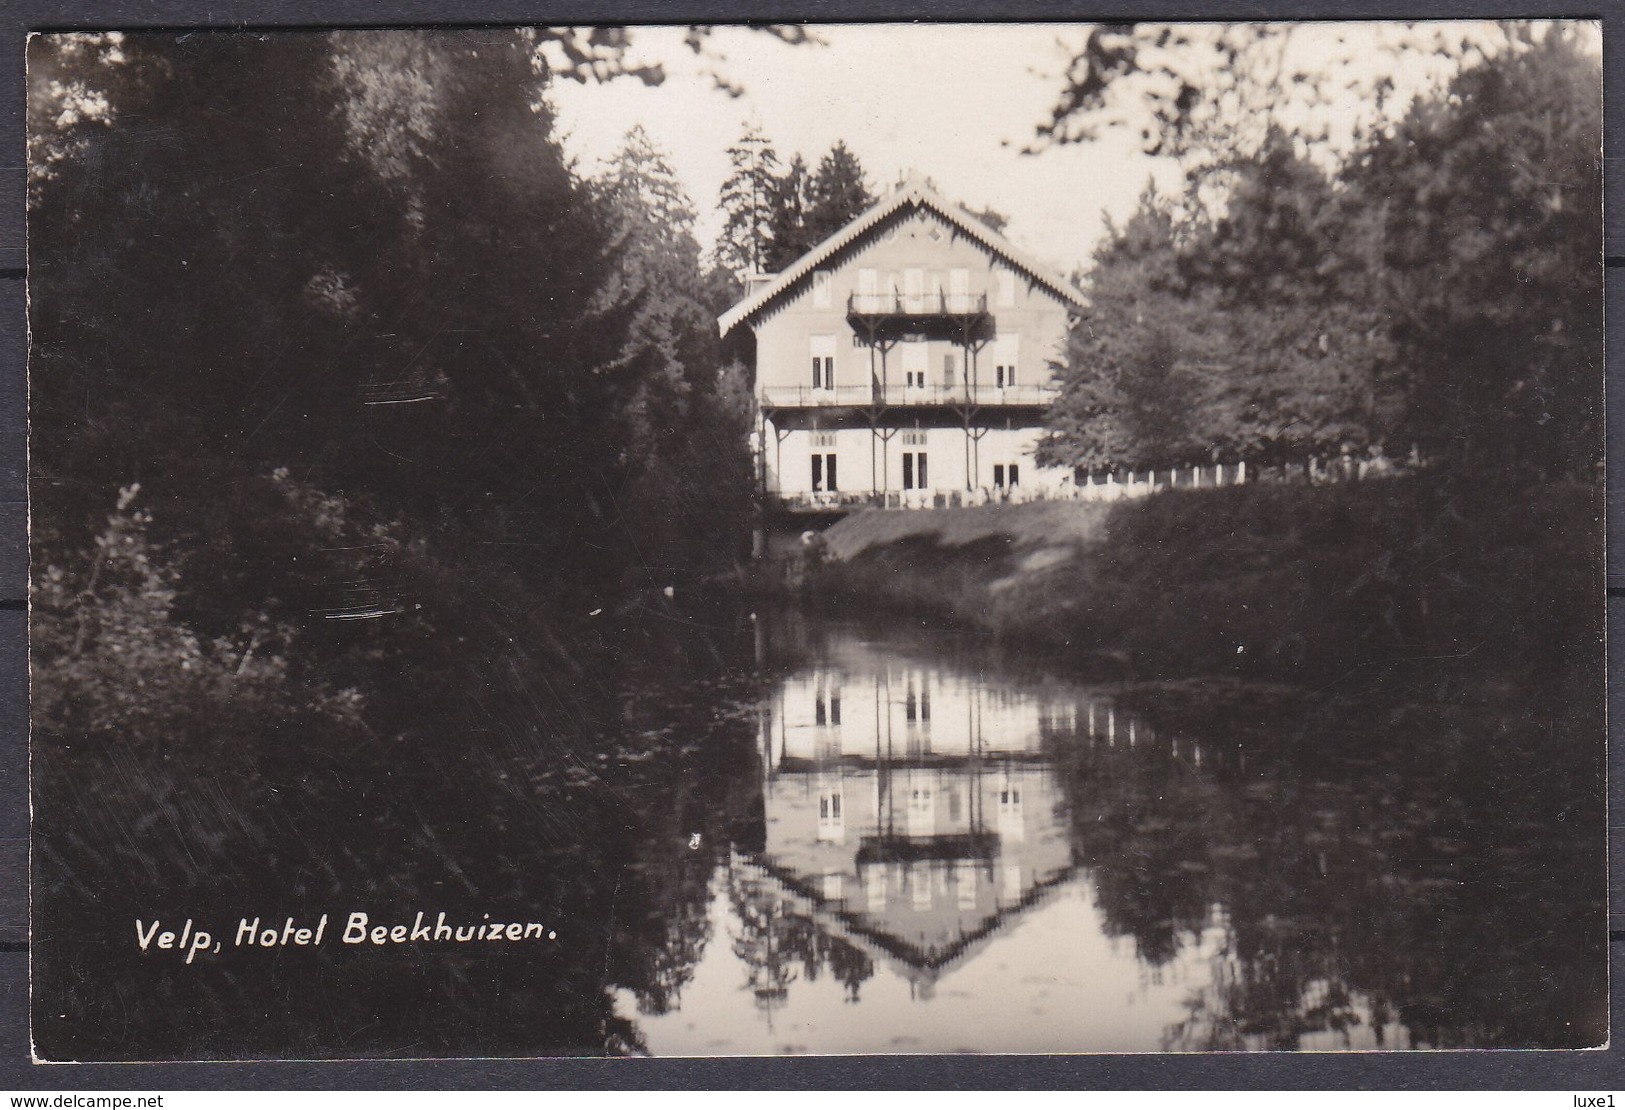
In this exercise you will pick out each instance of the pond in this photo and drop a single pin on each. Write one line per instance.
(746, 833)
(962, 851)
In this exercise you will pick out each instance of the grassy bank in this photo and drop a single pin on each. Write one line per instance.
(1495, 580)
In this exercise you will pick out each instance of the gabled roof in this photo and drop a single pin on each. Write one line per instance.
(911, 194)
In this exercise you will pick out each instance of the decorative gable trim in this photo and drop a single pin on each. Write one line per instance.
(912, 194)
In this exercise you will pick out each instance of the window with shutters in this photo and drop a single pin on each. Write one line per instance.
(1007, 288)
(868, 299)
(1004, 360)
(914, 289)
(916, 358)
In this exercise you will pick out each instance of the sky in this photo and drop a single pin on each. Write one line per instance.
(951, 102)
(956, 103)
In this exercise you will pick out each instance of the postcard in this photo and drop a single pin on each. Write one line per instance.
(840, 539)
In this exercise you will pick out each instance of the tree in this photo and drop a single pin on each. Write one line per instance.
(1484, 217)
(790, 234)
(1426, 284)
(747, 199)
(838, 194)
(1224, 338)
(1304, 349)
(1210, 95)
(1132, 393)
(682, 441)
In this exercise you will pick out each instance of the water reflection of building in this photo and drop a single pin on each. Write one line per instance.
(911, 808)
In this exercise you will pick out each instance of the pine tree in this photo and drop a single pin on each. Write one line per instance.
(788, 230)
(838, 194)
(747, 198)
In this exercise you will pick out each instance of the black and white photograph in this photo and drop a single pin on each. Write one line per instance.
(821, 539)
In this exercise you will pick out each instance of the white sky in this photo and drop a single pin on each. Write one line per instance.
(953, 102)
(941, 100)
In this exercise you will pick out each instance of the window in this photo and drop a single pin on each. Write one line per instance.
(916, 358)
(917, 702)
(914, 470)
(827, 704)
(874, 886)
(834, 888)
(823, 439)
(1006, 475)
(823, 473)
(823, 362)
(919, 877)
(959, 289)
(831, 823)
(1007, 288)
(868, 291)
(966, 892)
(950, 370)
(1011, 821)
(922, 812)
(915, 438)
(914, 288)
(821, 288)
(1004, 360)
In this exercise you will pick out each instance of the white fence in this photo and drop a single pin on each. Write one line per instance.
(1108, 485)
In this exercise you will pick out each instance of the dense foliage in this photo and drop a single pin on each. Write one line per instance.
(362, 263)
(774, 216)
(1438, 288)
(355, 406)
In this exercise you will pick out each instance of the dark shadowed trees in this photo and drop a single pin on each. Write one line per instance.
(1432, 287)
(747, 200)
(839, 193)
(773, 217)
(1484, 234)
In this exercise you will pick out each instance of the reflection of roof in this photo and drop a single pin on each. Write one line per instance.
(912, 194)
(912, 962)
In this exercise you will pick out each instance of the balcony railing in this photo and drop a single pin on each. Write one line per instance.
(916, 304)
(805, 397)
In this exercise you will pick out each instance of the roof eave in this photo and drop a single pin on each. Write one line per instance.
(920, 197)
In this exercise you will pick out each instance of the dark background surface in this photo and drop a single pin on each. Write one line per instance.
(1588, 1071)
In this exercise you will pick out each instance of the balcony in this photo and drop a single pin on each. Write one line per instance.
(900, 395)
(935, 304)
